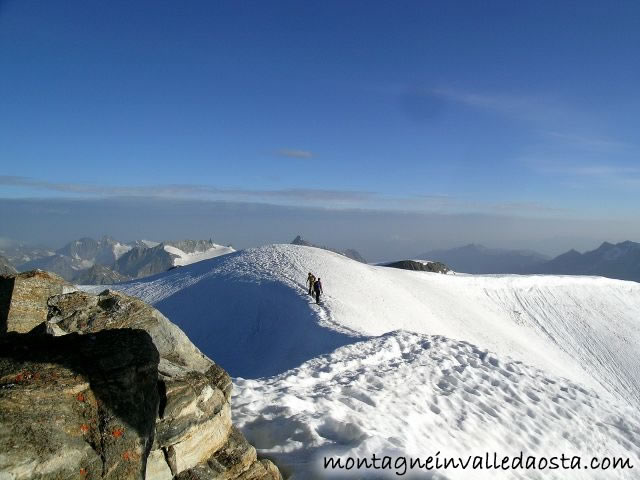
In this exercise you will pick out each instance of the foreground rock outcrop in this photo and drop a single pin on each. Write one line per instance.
(236, 459)
(192, 436)
(78, 406)
(23, 299)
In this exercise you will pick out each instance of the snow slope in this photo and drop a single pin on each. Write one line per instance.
(184, 258)
(412, 395)
(512, 362)
(149, 243)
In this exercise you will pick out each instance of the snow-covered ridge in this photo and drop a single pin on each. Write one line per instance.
(149, 243)
(183, 258)
(584, 328)
(410, 363)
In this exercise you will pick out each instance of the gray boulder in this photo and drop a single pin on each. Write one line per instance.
(86, 313)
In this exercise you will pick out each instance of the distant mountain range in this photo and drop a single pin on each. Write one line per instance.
(349, 253)
(99, 275)
(19, 253)
(474, 258)
(621, 261)
(107, 261)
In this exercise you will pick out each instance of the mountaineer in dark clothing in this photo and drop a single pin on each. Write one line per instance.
(310, 281)
(317, 288)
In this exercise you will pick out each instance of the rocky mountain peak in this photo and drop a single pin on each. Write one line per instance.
(191, 246)
(301, 241)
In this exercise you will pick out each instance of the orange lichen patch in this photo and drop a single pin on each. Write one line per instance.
(84, 428)
(118, 432)
(24, 376)
(83, 472)
(131, 456)
(80, 397)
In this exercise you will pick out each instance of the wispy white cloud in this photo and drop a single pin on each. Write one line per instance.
(531, 207)
(567, 143)
(584, 173)
(554, 124)
(523, 107)
(551, 118)
(324, 198)
(590, 143)
(190, 190)
(585, 170)
(291, 153)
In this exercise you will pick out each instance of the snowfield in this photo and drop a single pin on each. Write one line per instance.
(414, 363)
(184, 258)
(411, 395)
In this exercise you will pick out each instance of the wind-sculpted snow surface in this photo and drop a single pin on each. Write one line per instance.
(414, 363)
(411, 395)
(249, 310)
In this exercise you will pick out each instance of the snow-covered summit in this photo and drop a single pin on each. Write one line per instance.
(197, 252)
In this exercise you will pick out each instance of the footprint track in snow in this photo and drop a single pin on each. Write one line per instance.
(438, 407)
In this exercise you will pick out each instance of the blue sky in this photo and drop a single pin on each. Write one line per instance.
(514, 108)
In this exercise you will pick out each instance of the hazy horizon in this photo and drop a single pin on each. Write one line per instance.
(378, 235)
